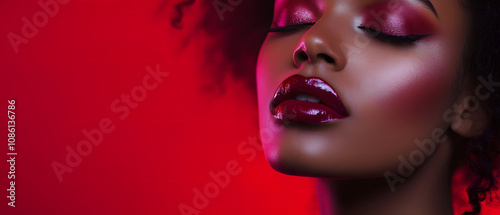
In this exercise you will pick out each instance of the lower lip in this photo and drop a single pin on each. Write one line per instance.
(304, 112)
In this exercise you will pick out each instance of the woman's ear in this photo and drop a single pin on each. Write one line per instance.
(471, 118)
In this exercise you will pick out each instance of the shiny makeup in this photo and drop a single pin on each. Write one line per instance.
(401, 23)
(296, 12)
(391, 66)
(311, 100)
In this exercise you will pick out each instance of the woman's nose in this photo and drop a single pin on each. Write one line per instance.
(319, 46)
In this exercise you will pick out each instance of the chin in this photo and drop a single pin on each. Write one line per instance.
(296, 162)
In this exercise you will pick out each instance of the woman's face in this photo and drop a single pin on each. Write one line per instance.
(347, 87)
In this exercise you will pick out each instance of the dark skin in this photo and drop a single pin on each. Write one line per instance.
(396, 94)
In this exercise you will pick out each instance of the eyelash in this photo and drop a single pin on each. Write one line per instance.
(290, 28)
(396, 39)
(392, 38)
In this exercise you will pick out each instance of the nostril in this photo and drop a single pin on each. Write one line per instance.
(327, 58)
(302, 56)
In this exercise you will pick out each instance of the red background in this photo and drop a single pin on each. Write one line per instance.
(89, 54)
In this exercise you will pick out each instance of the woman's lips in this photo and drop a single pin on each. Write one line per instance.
(308, 100)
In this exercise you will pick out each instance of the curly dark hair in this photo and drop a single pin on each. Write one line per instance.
(479, 61)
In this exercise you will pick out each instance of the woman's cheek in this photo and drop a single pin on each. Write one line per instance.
(274, 64)
(270, 64)
(413, 88)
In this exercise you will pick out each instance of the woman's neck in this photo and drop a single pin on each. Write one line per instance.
(426, 192)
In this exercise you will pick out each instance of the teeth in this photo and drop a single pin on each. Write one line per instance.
(307, 98)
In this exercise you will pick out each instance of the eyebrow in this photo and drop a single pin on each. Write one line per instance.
(430, 6)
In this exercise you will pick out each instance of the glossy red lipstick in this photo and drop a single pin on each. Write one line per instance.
(308, 100)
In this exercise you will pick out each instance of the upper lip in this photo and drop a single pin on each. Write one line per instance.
(313, 86)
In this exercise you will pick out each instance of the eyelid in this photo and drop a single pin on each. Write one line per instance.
(402, 20)
(295, 14)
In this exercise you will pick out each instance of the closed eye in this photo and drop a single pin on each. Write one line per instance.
(291, 28)
(398, 39)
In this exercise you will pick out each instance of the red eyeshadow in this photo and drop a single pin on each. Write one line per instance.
(290, 12)
(401, 19)
(292, 16)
